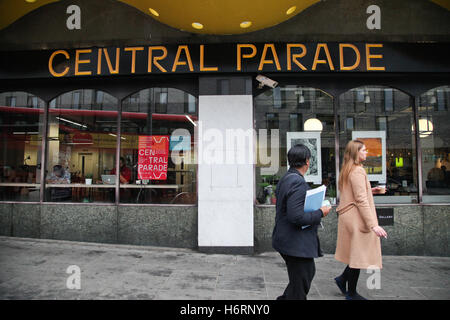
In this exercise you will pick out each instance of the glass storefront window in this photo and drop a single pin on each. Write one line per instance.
(434, 128)
(285, 116)
(157, 147)
(21, 118)
(81, 149)
(383, 118)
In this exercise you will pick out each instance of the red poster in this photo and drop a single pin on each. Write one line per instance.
(153, 156)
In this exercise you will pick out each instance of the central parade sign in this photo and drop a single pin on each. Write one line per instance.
(220, 58)
(153, 155)
(311, 57)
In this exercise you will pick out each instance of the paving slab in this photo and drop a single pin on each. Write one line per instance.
(37, 269)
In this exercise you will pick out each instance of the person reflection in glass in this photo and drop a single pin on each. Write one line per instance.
(60, 176)
(125, 172)
(436, 176)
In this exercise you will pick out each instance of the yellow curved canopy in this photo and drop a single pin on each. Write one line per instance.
(199, 16)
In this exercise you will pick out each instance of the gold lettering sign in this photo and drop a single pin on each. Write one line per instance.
(156, 58)
(316, 57)
(50, 63)
(78, 62)
(341, 56)
(370, 56)
(177, 61)
(250, 57)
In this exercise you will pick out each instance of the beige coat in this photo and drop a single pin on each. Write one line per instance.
(357, 245)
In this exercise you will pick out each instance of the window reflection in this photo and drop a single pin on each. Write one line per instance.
(21, 118)
(81, 149)
(380, 116)
(434, 128)
(289, 115)
(157, 147)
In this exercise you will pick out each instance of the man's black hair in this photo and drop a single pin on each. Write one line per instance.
(298, 155)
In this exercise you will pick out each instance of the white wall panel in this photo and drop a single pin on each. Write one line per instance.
(225, 189)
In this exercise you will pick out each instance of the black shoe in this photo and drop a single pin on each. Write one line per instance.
(354, 296)
(341, 284)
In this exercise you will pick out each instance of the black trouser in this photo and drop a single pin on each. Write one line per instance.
(301, 272)
(351, 275)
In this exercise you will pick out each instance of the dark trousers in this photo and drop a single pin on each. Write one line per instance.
(301, 272)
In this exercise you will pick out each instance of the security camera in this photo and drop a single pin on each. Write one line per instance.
(264, 81)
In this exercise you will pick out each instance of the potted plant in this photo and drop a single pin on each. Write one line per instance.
(88, 178)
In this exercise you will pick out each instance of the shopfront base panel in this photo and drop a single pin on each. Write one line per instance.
(158, 226)
(417, 230)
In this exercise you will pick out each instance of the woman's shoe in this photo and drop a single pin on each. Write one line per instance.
(354, 296)
(341, 284)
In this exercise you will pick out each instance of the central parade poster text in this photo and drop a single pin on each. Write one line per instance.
(153, 157)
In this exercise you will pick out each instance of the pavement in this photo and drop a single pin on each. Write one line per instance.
(64, 270)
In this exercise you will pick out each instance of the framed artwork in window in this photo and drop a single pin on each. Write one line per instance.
(312, 141)
(375, 164)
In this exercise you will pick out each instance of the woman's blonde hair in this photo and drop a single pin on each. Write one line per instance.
(351, 159)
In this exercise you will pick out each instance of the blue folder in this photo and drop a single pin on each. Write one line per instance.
(314, 200)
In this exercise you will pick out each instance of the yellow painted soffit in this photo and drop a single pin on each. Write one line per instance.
(443, 3)
(215, 16)
(221, 16)
(12, 10)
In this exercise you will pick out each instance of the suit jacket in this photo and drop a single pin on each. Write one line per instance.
(288, 237)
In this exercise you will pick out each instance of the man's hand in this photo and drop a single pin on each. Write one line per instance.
(325, 210)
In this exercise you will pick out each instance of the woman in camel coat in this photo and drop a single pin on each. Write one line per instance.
(358, 244)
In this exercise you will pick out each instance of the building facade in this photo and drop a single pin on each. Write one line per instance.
(200, 139)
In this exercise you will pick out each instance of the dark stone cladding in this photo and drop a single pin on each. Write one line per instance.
(418, 230)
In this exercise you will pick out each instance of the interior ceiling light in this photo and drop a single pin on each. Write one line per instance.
(30, 1)
(245, 24)
(425, 127)
(153, 12)
(313, 124)
(197, 25)
(291, 10)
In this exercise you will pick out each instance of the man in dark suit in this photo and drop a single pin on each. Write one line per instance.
(298, 246)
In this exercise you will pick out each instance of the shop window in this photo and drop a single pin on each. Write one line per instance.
(10, 101)
(442, 100)
(277, 101)
(158, 164)
(33, 101)
(434, 128)
(272, 121)
(307, 117)
(99, 100)
(191, 103)
(295, 122)
(76, 100)
(383, 121)
(160, 96)
(81, 149)
(388, 100)
(21, 118)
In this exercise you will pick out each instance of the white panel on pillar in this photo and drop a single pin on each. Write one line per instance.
(225, 182)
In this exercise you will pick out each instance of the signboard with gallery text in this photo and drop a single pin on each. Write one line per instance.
(153, 156)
